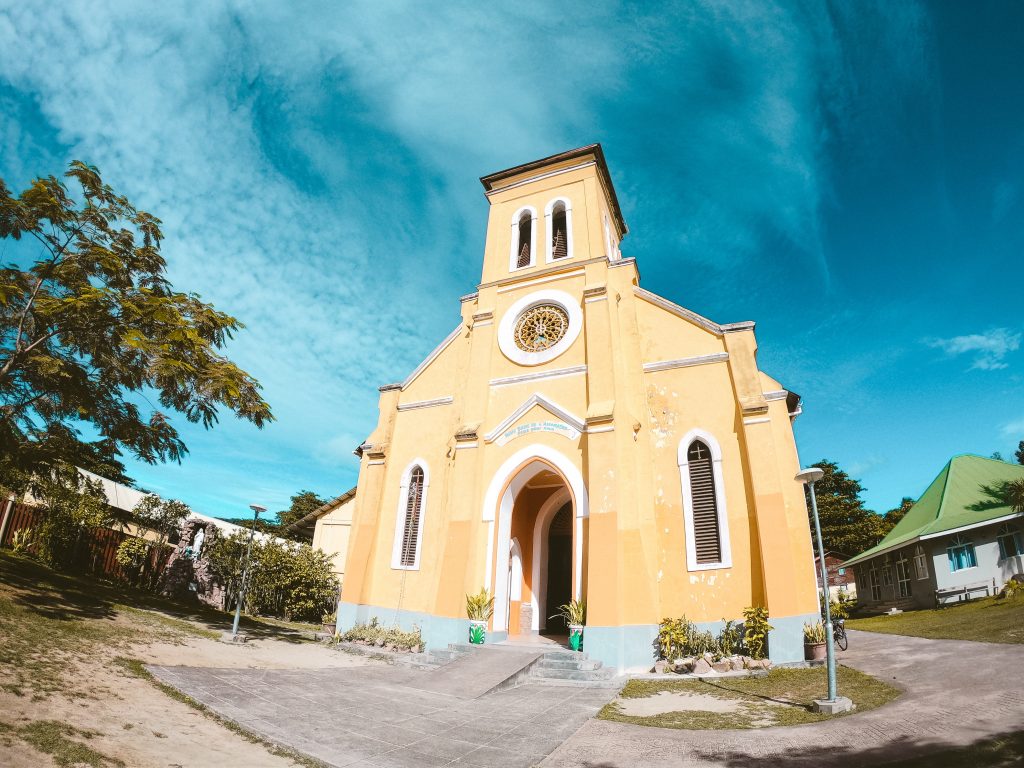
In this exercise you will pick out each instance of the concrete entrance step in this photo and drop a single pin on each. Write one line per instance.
(477, 670)
(572, 668)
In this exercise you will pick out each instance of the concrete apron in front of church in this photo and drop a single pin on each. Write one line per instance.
(629, 648)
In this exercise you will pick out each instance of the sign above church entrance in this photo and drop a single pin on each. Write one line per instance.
(552, 427)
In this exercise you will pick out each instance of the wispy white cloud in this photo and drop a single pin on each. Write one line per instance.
(988, 349)
(1013, 429)
(315, 166)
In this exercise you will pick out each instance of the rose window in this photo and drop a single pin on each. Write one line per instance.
(541, 327)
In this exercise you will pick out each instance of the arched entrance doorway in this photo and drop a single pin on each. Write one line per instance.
(537, 504)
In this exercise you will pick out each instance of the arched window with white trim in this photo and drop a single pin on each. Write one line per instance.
(524, 236)
(705, 521)
(558, 217)
(412, 501)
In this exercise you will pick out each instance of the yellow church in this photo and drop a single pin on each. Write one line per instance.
(577, 436)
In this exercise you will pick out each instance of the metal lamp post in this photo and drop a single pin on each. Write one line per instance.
(256, 509)
(833, 703)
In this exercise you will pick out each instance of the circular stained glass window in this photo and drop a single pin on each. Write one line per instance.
(541, 327)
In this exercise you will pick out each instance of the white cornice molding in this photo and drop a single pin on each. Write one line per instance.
(447, 400)
(552, 374)
(539, 177)
(432, 356)
(686, 362)
(678, 311)
(541, 280)
(535, 399)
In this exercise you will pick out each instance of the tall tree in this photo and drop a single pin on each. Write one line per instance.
(1019, 453)
(847, 526)
(893, 516)
(303, 503)
(92, 329)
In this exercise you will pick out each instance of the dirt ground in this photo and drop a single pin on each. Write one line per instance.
(66, 689)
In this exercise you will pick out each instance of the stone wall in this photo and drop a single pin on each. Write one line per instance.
(188, 574)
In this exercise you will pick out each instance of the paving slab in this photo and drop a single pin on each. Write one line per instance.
(388, 717)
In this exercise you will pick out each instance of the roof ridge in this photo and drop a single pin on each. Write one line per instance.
(948, 469)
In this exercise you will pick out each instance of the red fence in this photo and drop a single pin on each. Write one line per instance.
(99, 553)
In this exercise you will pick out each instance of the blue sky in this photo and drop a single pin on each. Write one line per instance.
(849, 175)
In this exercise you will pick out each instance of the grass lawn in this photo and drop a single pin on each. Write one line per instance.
(69, 638)
(783, 697)
(989, 620)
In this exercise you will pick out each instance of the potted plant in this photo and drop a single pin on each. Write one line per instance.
(574, 613)
(814, 641)
(479, 608)
(329, 623)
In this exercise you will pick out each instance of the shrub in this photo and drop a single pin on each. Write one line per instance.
(374, 634)
(729, 639)
(73, 506)
(755, 631)
(24, 541)
(480, 607)
(678, 638)
(285, 579)
(814, 633)
(132, 554)
(1013, 589)
(839, 608)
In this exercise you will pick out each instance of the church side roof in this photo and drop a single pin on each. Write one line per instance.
(955, 500)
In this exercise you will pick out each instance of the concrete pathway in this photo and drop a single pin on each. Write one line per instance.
(381, 716)
(955, 693)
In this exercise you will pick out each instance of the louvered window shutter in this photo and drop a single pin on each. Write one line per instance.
(705, 505)
(559, 244)
(410, 531)
(525, 226)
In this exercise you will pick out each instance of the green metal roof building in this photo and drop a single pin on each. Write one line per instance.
(958, 541)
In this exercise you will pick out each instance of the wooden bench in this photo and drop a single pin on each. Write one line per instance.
(962, 593)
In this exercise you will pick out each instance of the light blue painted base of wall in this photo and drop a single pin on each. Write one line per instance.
(786, 640)
(629, 648)
(437, 631)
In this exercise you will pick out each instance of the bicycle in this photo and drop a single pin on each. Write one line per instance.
(839, 633)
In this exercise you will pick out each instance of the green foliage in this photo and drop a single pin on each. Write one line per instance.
(160, 515)
(730, 639)
(480, 606)
(73, 506)
(132, 554)
(374, 634)
(25, 541)
(755, 631)
(894, 515)
(302, 504)
(1013, 590)
(847, 526)
(839, 608)
(678, 638)
(573, 612)
(290, 579)
(1019, 453)
(91, 324)
(814, 633)
(329, 618)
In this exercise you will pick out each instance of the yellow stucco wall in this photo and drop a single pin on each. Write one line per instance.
(332, 533)
(641, 375)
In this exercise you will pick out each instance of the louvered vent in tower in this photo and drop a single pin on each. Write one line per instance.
(411, 530)
(559, 246)
(705, 507)
(525, 227)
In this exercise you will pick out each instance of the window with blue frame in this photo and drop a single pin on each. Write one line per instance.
(961, 554)
(1009, 542)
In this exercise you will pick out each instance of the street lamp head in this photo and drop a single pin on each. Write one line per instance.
(258, 509)
(810, 475)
